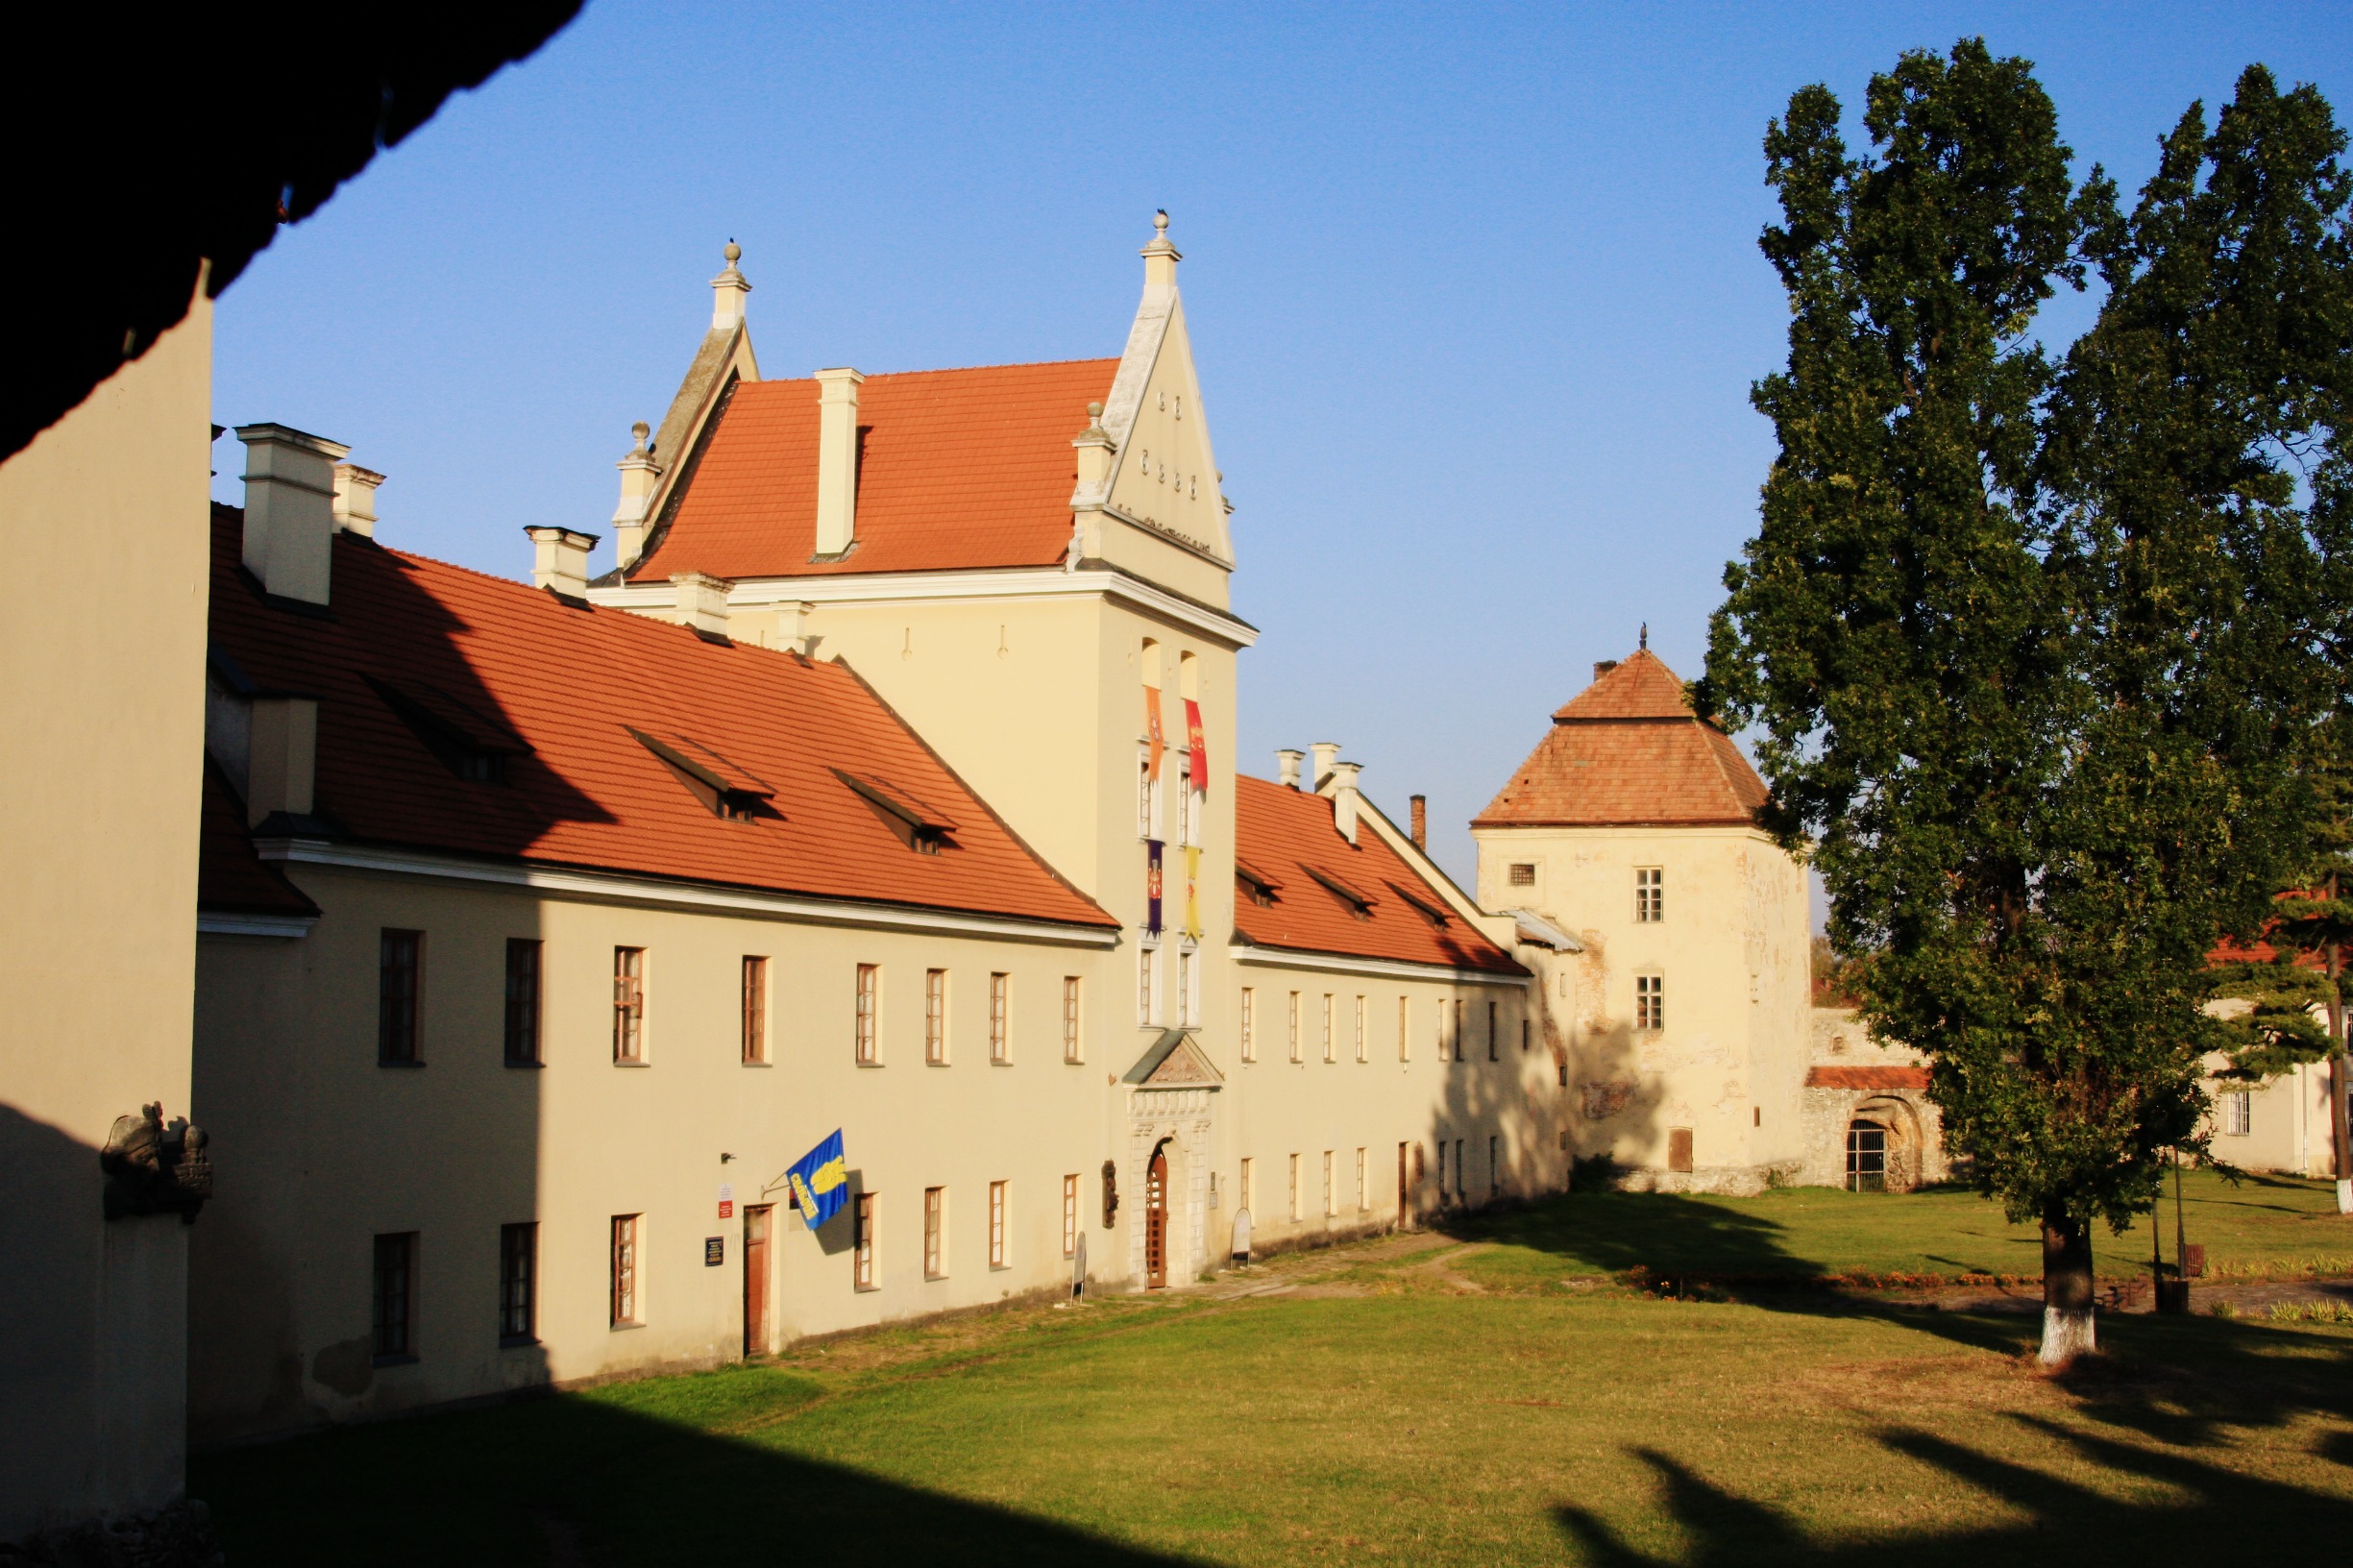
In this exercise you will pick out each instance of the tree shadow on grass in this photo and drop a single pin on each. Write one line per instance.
(2208, 1508)
(587, 1481)
(1665, 1233)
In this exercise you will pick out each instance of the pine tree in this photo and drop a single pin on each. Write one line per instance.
(2037, 649)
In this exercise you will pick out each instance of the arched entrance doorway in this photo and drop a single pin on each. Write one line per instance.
(1866, 1156)
(1156, 1218)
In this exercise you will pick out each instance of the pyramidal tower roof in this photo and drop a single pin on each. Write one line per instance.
(1629, 751)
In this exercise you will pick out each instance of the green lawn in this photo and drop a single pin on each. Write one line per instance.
(2262, 1227)
(1454, 1405)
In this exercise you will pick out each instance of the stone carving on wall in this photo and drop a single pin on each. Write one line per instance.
(156, 1167)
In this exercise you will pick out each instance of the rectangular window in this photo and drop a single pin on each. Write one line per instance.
(1331, 1197)
(627, 1230)
(1458, 1028)
(1185, 988)
(862, 1242)
(1650, 895)
(996, 1224)
(868, 979)
(934, 1016)
(392, 1312)
(1523, 874)
(1070, 1216)
(1250, 1024)
(1495, 1167)
(1650, 1002)
(935, 1225)
(1294, 1023)
(1525, 1037)
(1405, 1028)
(1364, 1194)
(1294, 1187)
(1331, 1044)
(400, 978)
(1247, 1187)
(1364, 1045)
(1147, 983)
(1000, 1020)
(1145, 817)
(1071, 1050)
(628, 1004)
(2238, 1113)
(1491, 1031)
(1185, 797)
(755, 1009)
(522, 1002)
(518, 1284)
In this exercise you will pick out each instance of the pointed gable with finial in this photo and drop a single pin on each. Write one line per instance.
(1629, 751)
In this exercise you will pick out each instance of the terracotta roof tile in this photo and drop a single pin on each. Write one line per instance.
(569, 684)
(1870, 1080)
(1629, 751)
(229, 876)
(1288, 836)
(958, 469)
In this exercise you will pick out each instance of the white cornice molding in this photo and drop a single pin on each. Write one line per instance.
(1381, 969)
(616, 887)
(927, 587)
(212, 922)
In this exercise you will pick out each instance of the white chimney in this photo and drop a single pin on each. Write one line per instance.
(281, 757)
(793, 633)
(355, 509)
(837, 460)
(702, 603)
(727, 291)
(1345, 799)
(559, 561)
(1327, 752)
(639, 472)
(289, 509)
(1286, 767)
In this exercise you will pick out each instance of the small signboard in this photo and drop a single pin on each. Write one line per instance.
(714, 1251)
(726, 1200)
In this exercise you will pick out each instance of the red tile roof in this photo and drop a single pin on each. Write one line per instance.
(957, 470)
(1870, 1080)
(230, 877)
(1629, 751)
(1288, 837)
(502, 665)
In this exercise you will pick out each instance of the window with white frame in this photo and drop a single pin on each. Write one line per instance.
(1364, 1194)
(1000, 1018)
(935, 1233)
(1294, 1208)
(1332, 1203)
(934, 1016)
(1405, 1028)
(1147, 813)
(870, 979)
(1650, 1002)
(1650, 895)
(1292, 1022)
(1332, 1044)
(2238, 1108)
(1363, 1046)
(1250, 1024)
(1071, 1046)
(1185, 797)
(996, 1224)
(1187, 976)
(1147, 982)
(1247, 1187)
(1070, 1215)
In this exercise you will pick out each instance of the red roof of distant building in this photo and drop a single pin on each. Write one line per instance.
(957, 470)
(417, 652)
(1629, 751)
(1368, 903)
(1869, 1079)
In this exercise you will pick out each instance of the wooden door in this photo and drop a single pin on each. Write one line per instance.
(755, 1278)
(1156, 1221)
(1405, 1192)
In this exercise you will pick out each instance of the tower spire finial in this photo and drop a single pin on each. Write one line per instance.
(1160, 257)
(1645, 636)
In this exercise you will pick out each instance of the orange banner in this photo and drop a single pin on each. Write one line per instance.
(1200, 748)
(1153, 738)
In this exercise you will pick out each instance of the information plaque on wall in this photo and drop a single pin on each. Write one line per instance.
(714, 1251)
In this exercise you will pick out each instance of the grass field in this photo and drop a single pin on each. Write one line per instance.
(1441, 1400)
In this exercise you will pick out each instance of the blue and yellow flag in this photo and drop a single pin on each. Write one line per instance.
(820, 1180)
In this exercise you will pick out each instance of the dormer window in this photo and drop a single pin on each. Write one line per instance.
(1256, 885)
(464, 739)
(1359, 905)
(724, 789)
(1435, 914)
(919, 826)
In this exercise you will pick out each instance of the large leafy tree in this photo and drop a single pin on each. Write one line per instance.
(2035, 647)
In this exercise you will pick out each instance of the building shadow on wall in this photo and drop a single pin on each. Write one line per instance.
(579, 1479)
(2205, 1508)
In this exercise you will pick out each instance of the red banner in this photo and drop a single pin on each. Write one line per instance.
(1153, 738)
(1200, 748)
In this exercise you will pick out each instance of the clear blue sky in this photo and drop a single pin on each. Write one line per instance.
(1475, 291)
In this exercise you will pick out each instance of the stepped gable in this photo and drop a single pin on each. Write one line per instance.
(418, 662)
(1367, 902)
(958, 469)
(1627, 751)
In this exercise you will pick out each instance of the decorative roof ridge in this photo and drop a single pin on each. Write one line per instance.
(954, 370)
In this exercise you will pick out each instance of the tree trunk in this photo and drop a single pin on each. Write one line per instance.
(2066, 1289)
(2341, 1143)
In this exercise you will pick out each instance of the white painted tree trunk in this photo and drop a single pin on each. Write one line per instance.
(2344, 1196)
(2067, 1334)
